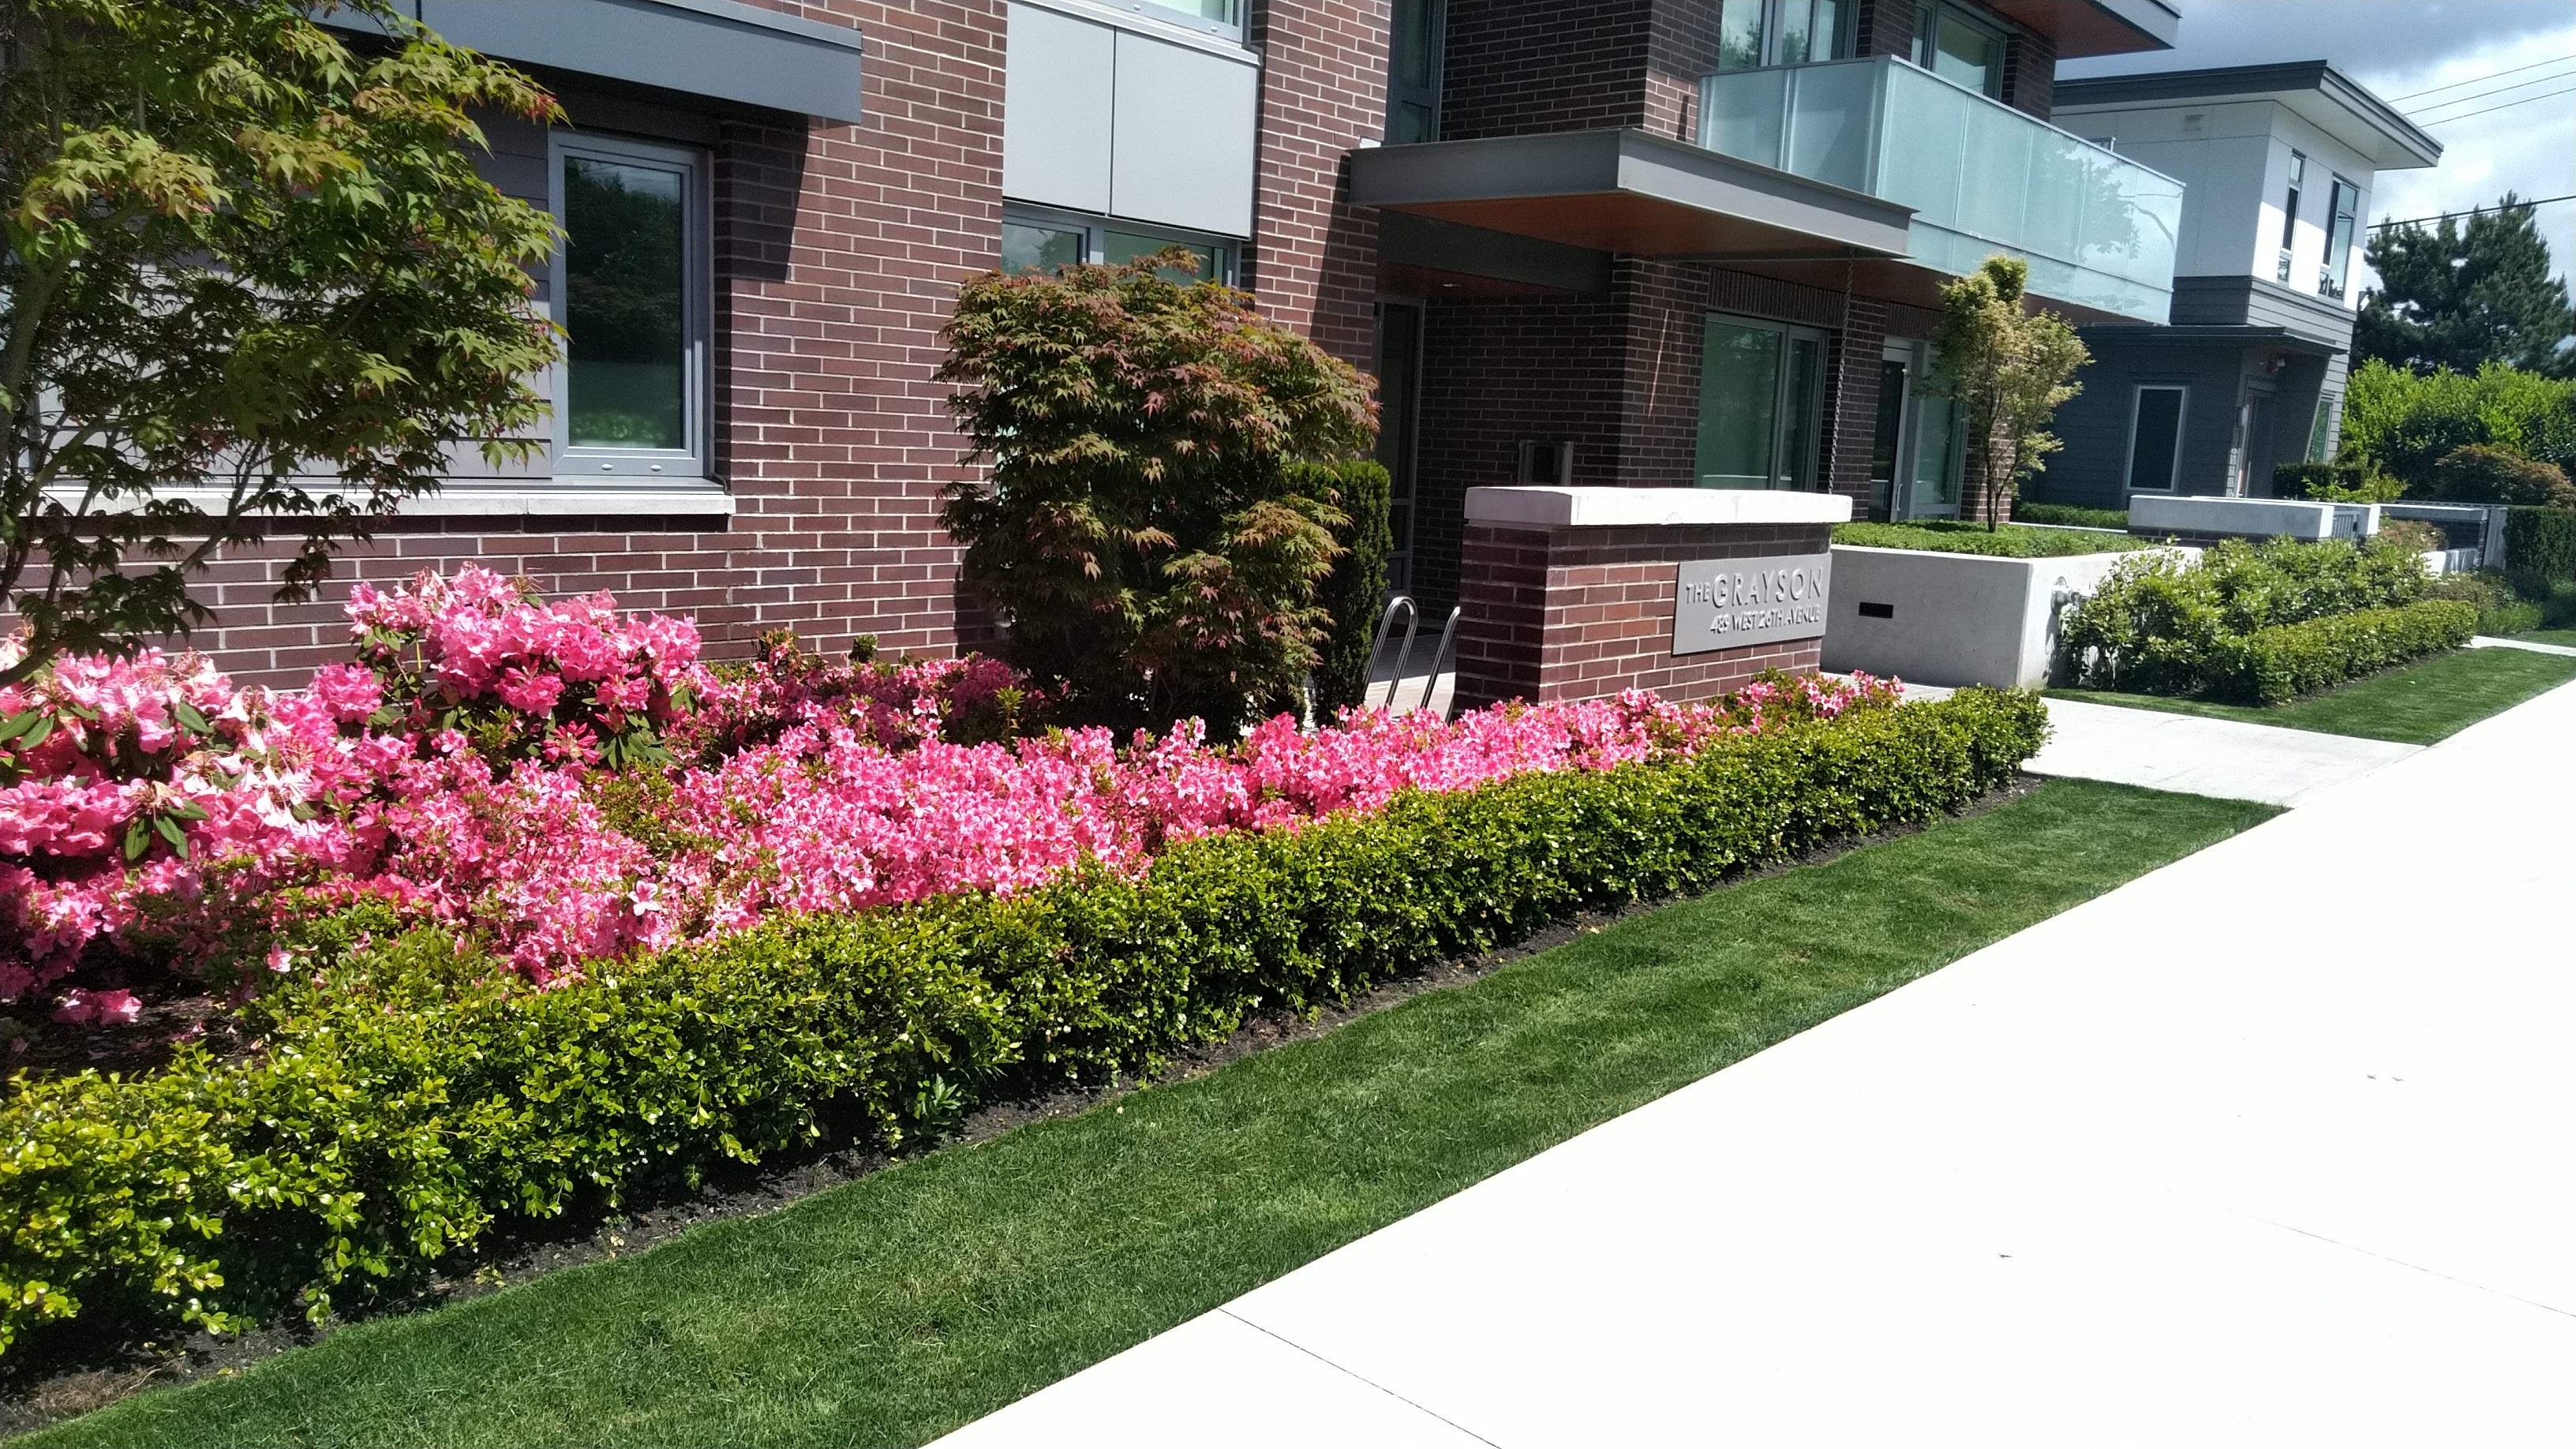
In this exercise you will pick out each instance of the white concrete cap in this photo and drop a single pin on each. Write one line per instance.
(2257, 517)
(1547, 506)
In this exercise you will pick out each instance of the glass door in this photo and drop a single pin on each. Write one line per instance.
(2254, 454)
(1399, 386)
(1920, 450)
(1761, 404)
(1887, 444)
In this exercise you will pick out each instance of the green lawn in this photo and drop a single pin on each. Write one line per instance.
(2417, 705)
(894, 1308)
(2009, 541)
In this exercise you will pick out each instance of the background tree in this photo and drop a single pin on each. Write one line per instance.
(2461, 297)
(251, 285)
(2008, 370)
(1145, 533)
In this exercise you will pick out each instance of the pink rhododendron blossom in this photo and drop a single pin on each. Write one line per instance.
(475, 772)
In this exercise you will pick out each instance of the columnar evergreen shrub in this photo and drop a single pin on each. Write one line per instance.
(2539, 546)
(408, 1092)
(2278, 664)
(1355, 591)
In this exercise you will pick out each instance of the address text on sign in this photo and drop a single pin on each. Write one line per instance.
(1737, 603)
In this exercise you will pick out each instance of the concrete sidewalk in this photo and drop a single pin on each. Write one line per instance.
(2269, 1147)
(2196, 756)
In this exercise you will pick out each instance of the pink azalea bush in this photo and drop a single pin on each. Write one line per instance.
(570, 785)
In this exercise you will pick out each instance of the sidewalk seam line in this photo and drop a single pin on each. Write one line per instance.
(1363, 1378)
(2416, 1267)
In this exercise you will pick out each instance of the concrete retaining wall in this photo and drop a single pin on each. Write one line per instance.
(2160, 515)
(1954, 618)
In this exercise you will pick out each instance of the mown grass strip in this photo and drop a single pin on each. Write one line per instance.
(2420, 704)
(897, 1307)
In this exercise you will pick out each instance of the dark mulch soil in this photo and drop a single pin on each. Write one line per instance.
(53, 1375)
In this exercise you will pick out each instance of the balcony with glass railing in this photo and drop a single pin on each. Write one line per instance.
(2097, 229)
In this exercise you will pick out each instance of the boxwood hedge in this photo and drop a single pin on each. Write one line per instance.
(405, 1095)
(2276, 665)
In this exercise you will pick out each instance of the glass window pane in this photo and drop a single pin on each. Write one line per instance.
(625, 312)
(1414, 46)
(1794, 18)
(1222, 12)
(1124, 246)
(1739, 35)
(2321, 433)
(2158, 439)
(1039, 248)
(1972, 57)
(1825, 41)
(1806, 383)
(1936, 456)
(1739, 385)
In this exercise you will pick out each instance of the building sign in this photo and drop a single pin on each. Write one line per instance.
(1736, 603)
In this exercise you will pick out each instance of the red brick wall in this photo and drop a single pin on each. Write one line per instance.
(1313, 261)
(1616, 374)
(1581, 613)
(1515, 67)
(838, 250)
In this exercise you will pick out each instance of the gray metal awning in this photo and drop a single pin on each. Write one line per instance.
(1631, 192)
(2280, 339)
(721, 49)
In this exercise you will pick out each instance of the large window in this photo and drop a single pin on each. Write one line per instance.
(2347, 205)
(2290, 211)
(1954, 47)
(1046, 240)
(1782, 32)
(1413, 48)
(2155, 438)
(631, 289)
(1761, 399)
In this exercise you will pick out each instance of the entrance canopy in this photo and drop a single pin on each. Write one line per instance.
(1627, 191)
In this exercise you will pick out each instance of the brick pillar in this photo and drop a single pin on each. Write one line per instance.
(1572, 593)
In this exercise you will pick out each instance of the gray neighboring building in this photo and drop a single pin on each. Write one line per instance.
(2279, 163)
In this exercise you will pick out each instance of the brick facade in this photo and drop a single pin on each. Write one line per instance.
(1578, 613)
(1313, 260)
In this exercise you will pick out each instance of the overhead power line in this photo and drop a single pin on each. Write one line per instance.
(2474, 211)
(2538, 80)
(2507, 106)
(2473, 80)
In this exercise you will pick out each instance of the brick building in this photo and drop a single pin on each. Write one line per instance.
(1638, 242)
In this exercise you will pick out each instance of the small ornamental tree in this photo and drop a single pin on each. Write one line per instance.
(1145, 534)
(250, 283)
(2008, 370)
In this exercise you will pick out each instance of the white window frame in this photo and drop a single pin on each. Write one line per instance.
(696, 459)
(2182, 428)
(1095, 229)
(1171, 15)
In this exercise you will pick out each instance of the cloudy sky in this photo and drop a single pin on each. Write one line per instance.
(2432, 59)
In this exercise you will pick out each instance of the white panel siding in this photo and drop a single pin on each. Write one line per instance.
(1056, 129)
(1186, 122)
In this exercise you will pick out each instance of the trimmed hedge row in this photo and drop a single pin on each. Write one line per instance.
(2276, 665)
(409, 1095)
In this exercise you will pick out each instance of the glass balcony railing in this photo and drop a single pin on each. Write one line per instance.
(2097, 229)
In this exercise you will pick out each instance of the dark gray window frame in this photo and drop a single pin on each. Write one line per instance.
(1095, 228)
(2182, 429)
(696, 460)
(1427, 96)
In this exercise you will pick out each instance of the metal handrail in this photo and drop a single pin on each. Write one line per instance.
(1430, 682)
(1377, 646)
